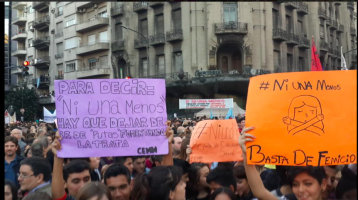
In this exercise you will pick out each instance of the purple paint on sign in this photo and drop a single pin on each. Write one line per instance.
(111, 117)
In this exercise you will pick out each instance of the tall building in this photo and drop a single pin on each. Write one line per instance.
(201, 49)
(7, 43)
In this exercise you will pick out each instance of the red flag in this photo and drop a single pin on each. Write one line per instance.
(315, 62)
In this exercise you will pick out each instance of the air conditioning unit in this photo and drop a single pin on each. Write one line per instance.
(53, 31)
(31, 29)
(81, 10)
(95, 5)
(53, 10)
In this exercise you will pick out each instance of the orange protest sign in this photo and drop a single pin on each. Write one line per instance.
(303, 118)
(215, 141)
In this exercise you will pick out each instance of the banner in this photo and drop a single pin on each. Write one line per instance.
(215, 141)
(111, 117)
(48, 116)
(205, 103)
(306, 118)
(13, 118)
(315, 61)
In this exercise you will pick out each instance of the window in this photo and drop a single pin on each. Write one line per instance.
(30, 9)
(300, 64)
(276, 59)
(30, 25)
(30, 42)
(71, 66)
(60, 70)
(160, 69)
(92, 62)
(91, 39)
(91, 15)
(230, 12)
(60, 11)
(176, 19)
(144, 68)
(103, 61)
(59, 27)
(103, 14)
(71, 43)
(159, 24)
(30, 58)
(143, 27)
(59, 47)
(275, 19)
(321, 32)
(178, 61)
(300, 28)
(289, 27)
(70, 20)
(289, 62)
(103, 36)
(118, 32)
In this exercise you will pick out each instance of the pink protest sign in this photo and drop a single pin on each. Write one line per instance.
(111, 117)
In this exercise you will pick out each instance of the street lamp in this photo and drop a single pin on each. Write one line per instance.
(146, 39)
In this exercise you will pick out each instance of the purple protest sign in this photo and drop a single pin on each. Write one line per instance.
(111, 117)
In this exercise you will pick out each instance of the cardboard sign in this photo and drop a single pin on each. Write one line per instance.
(215, 141)
(303, 118)
(111, 117)
(48, 116)
(205, 103)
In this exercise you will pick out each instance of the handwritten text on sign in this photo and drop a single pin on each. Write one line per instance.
(205, 103)
(98, 118)
(307, 118)
(215, 141)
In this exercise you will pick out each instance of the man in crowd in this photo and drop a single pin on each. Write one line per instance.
(330, 177)
(139, 165)
(127, 161)
(241, 123)
(221, 177)
(12, 160)
(118, 180)
(42, 131)
(17, 132)
(34, 175)
(184, 165)
(176, 146)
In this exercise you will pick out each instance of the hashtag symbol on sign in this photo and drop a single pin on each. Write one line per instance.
(264, 85)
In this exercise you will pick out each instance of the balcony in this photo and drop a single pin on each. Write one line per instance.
(43, 83)
(302, 8)
(174, 35)
(170, 77)
(304, 43)
(340, 28)
(45, 100)
(292, 39)
(86, 4)
(334, 25)
(16, 70)
(42, 62)
(19, 35)
(140, 43)
(157, 39)
(59, 13)
(59, 55)
(58, 35)
(230, 27)
(329, 21)
(140, 6)
(350, 5)
(292, 5)
(40, 5)
(42, 22)
(330, 51)
(19, 5)
(92, 48)
(41, 42)
(59, 77)
(117, 45)
(155, 4)
(353, 31)
(323, 46)
(279, 34)
(20, 52)
(322, 13)
(88, 72)
(117, 10)
(92, 24)
(19, 20)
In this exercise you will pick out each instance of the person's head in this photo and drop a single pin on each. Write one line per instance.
(221, 177)
(223, 193)
(37, 150)
(176, 144)
(118, 179)
(33, 172)
(94, 191)
(28, 153)
(139, 164)
(180, 130)
(10, 191)
(184, 165)
(242, 185)
(338, 175)
(183, 147)
(241, 123)
(157, 160)
(42, 131)
(11, 146)
(282, 173)
(50, 136)
(307, 182)
(163, 182)
(30, 140)
(17, 132)
(197, 178)
(347, 187)
(76, 174)
(45, 143)
(126, 161)
(330, 177)
(37, 195)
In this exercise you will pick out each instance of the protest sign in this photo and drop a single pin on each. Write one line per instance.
(48, 116)
(205, 103)
(303, 118)
(104, 117)
(215, 141)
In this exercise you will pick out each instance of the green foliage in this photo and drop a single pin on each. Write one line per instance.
(23, 97)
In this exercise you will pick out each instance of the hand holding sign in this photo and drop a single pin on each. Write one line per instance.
(245, 137)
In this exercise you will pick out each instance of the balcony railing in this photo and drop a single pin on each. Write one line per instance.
(140, 6)
(155, 3)
(87, 68)
(302, 8)
(293, 39)
(156, 39)
(20, 20)
(92, 23)
(41, 42)
(292, 5)
(41, 61)
(329, 21)
(353, 31)
(117, 45)
(340, 28)
(322, 13)
(323, 46)
(334, 25)
(169, 77)
(140, 42)
(58, 35)
(95, 47)
(19, 31)
(59, 13)
(230, 27)
(42, 22)
(59, 77)
(279, 34)
(330, 50)
(350, 4)
(43, 80)
(59, 55)
(304, 43)
(117, 10)
(174, 35)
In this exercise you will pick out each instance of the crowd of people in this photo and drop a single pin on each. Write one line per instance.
(33, 171)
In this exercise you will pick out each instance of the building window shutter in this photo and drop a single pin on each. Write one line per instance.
(91, 39)
(103, 36)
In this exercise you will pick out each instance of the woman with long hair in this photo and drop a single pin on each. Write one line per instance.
(10, 191)
(94, 190)
(184, 145)
(223, 193)
(198, 188)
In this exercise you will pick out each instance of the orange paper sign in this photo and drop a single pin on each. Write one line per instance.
(215, 141)
(303, 118)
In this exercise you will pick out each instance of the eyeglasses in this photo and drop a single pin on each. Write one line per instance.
(23, 177)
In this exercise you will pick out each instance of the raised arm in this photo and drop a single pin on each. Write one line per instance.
(256, 185)
(58, 187)
(168, 159)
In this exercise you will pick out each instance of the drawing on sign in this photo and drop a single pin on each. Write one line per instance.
(304, 115)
